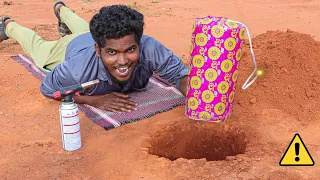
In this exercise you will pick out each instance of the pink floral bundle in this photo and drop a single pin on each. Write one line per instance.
(214, 68)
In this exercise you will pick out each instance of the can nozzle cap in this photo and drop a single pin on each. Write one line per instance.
(68, 98)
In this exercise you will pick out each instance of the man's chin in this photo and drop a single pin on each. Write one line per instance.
(120, 79)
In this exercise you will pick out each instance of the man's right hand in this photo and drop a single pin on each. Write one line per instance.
(114, 102)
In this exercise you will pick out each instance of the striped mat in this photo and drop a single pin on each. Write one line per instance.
(157, 97)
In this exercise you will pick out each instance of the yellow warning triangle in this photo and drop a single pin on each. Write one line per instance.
(296, 154)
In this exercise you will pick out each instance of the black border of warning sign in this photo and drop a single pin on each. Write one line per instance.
(304, 147)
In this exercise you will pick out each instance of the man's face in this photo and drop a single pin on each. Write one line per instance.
(120, 56)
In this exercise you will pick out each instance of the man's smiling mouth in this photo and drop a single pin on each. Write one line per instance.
(123, 71)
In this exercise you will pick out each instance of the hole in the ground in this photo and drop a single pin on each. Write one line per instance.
(191, 139)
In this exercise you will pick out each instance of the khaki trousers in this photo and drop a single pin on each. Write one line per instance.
(48, 54)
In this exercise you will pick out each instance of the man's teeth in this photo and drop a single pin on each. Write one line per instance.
(122, 70)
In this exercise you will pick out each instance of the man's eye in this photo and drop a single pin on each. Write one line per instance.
(131, 50)
(112, 52)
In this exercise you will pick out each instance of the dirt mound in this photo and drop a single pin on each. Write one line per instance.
(291, 79)
(191, 139)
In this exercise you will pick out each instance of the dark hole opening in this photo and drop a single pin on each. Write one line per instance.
(192, 139)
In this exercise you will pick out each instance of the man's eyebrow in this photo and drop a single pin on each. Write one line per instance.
(132, 46)
(110, 49)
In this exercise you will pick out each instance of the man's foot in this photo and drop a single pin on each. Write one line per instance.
(4, 21)
(58, 7)
(62, 27)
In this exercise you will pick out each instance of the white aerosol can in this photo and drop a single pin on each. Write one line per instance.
(69, 114)
(70, 125)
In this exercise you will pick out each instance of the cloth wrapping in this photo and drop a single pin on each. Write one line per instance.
(214, 67)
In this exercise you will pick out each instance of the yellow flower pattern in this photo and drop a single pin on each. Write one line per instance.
(223, 87)
(206, 20)
(230, 44)
(204, 115)
(201, 39)
(217, 31)
(226, 66)
(231, 97)
(235, 76)
(193, 103)
(242, 33)
(220, 108)
(232, 24)
(238, 55)
(191, 48)
(211, 74)
(195, 82)
(214, 53)
(198, 61)
(207, 96)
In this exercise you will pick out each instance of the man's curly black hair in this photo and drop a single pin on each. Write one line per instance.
(114, 22)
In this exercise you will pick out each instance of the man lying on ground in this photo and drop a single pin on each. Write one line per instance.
(112, 49)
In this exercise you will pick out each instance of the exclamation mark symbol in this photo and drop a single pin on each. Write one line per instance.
(297, 148)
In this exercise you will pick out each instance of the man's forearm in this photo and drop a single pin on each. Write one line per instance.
(183, 85)
(84, 99)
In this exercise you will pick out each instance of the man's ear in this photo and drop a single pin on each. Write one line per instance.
(96, 47)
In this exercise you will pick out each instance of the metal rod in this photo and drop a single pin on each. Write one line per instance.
(89, 84)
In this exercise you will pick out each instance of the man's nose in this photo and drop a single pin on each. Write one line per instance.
(122, 59)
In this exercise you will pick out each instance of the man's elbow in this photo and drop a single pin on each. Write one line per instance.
(45, 92)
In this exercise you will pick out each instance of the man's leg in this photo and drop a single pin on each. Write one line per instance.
(32, 44)
(75, 23)
(45, 54)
